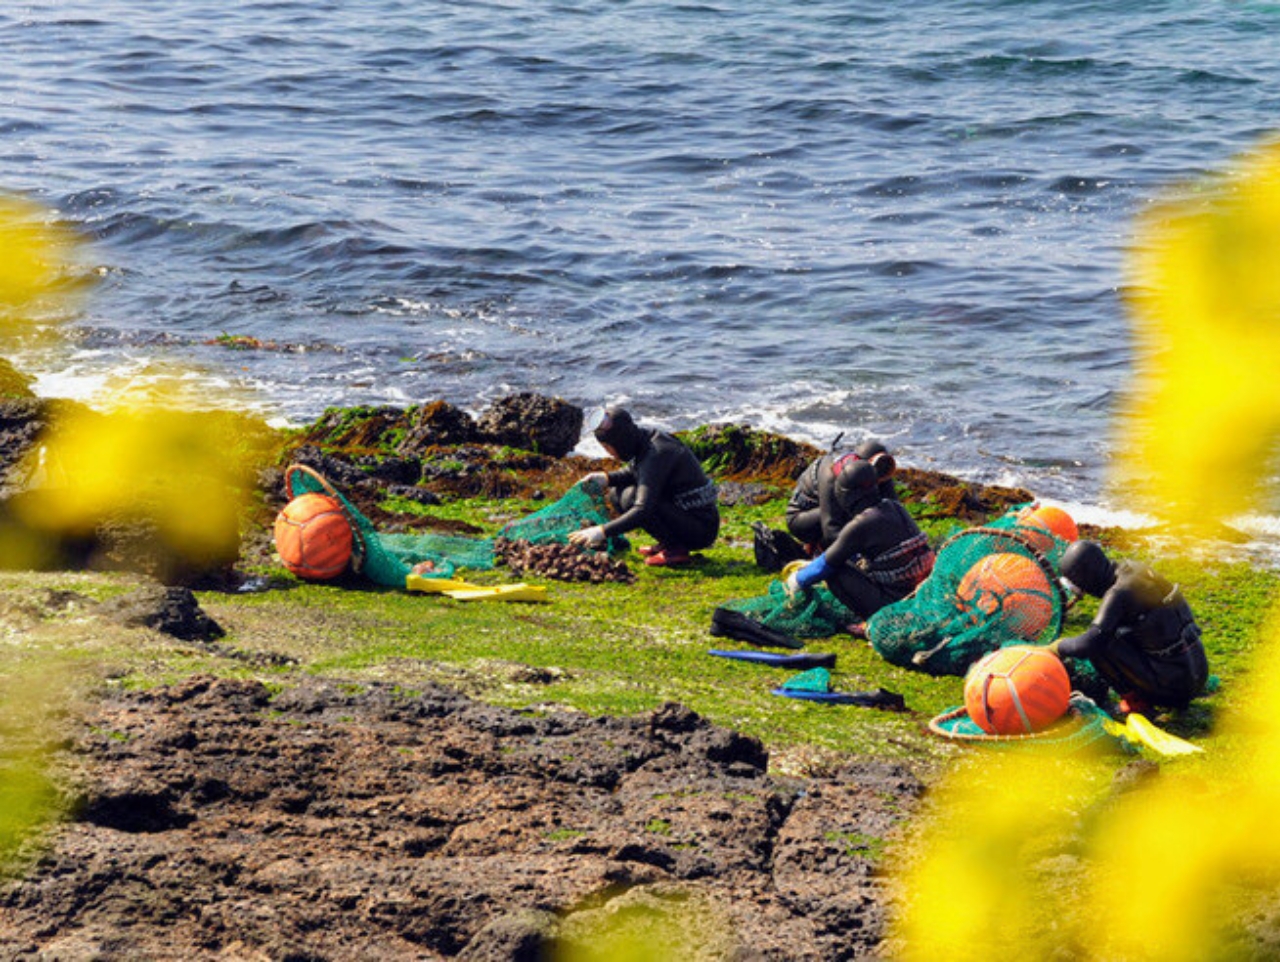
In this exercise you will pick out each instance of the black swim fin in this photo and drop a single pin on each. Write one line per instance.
(727, 623)
(815, 659)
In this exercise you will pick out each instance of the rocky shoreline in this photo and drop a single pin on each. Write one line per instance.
(215, 817)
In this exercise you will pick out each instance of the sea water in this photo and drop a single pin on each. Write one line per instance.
(907, 222)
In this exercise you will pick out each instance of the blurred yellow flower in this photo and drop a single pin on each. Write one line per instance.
(1205, 413)
(35, 253)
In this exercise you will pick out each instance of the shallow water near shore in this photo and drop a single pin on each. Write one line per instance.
(812, 219)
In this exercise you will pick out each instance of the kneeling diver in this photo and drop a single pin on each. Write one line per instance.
(877, 555)
(1144, 640)
(662, 490)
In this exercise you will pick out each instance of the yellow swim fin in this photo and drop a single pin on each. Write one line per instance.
(520, 592)
(1157, 739)
(1139, 730)
(435, 586)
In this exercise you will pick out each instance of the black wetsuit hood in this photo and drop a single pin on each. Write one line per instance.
(876, 454)
(1087, 566)
(869, 449)
(856, 483)
(617, 430)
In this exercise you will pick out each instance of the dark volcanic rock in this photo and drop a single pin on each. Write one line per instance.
(22, 420)
(336, 822)
(135, 808)
(361, 427)
(340, 473)
(952, 497)
(393, 471)
(138, 542)
(174, 611)
(518, 937)
(531, 421)
(438, 424)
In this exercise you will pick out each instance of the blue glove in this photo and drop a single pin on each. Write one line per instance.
(812, 573)
(808, 576)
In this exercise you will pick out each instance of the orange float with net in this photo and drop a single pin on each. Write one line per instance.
(313, 537)
(1010, 587)
(1055, 521)
(1017, 690)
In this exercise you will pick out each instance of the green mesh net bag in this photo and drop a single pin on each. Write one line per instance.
(387, 559)
(812, 614)
(991, 586)
(582, 506)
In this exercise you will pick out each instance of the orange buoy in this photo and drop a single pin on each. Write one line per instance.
(313, 537)
(1056, 521)
(1017, 690)
(1009, 587)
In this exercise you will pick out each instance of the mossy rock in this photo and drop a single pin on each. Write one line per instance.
(13, 383)
(941, 495)
(736, 452)
(436, 424)
(365, 429)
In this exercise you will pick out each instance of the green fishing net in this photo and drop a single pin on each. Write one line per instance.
(991, 586)
(387, 559)
(815, 613)
(582, 506)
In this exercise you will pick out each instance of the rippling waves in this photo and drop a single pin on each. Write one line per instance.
(816, 217)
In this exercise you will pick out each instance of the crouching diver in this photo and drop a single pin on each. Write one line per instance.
(1144, 640)
(661, 490)
(814, 514)
(878, 554)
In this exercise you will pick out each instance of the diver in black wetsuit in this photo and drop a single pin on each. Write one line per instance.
(814, 515)
(878, 554)
(1144, 639)
(662, 490)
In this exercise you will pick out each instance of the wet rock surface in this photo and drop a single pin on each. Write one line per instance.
(335, 821)
(533, 422)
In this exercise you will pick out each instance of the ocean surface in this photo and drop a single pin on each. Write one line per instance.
(811, 217)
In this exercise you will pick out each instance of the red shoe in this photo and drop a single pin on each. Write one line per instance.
(649, 549)
(667, 557)
(1135, 704)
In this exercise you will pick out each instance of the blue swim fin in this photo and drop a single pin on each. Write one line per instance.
(815, 659)
(888, 700)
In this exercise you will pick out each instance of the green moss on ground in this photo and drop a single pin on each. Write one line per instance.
(603, 648)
